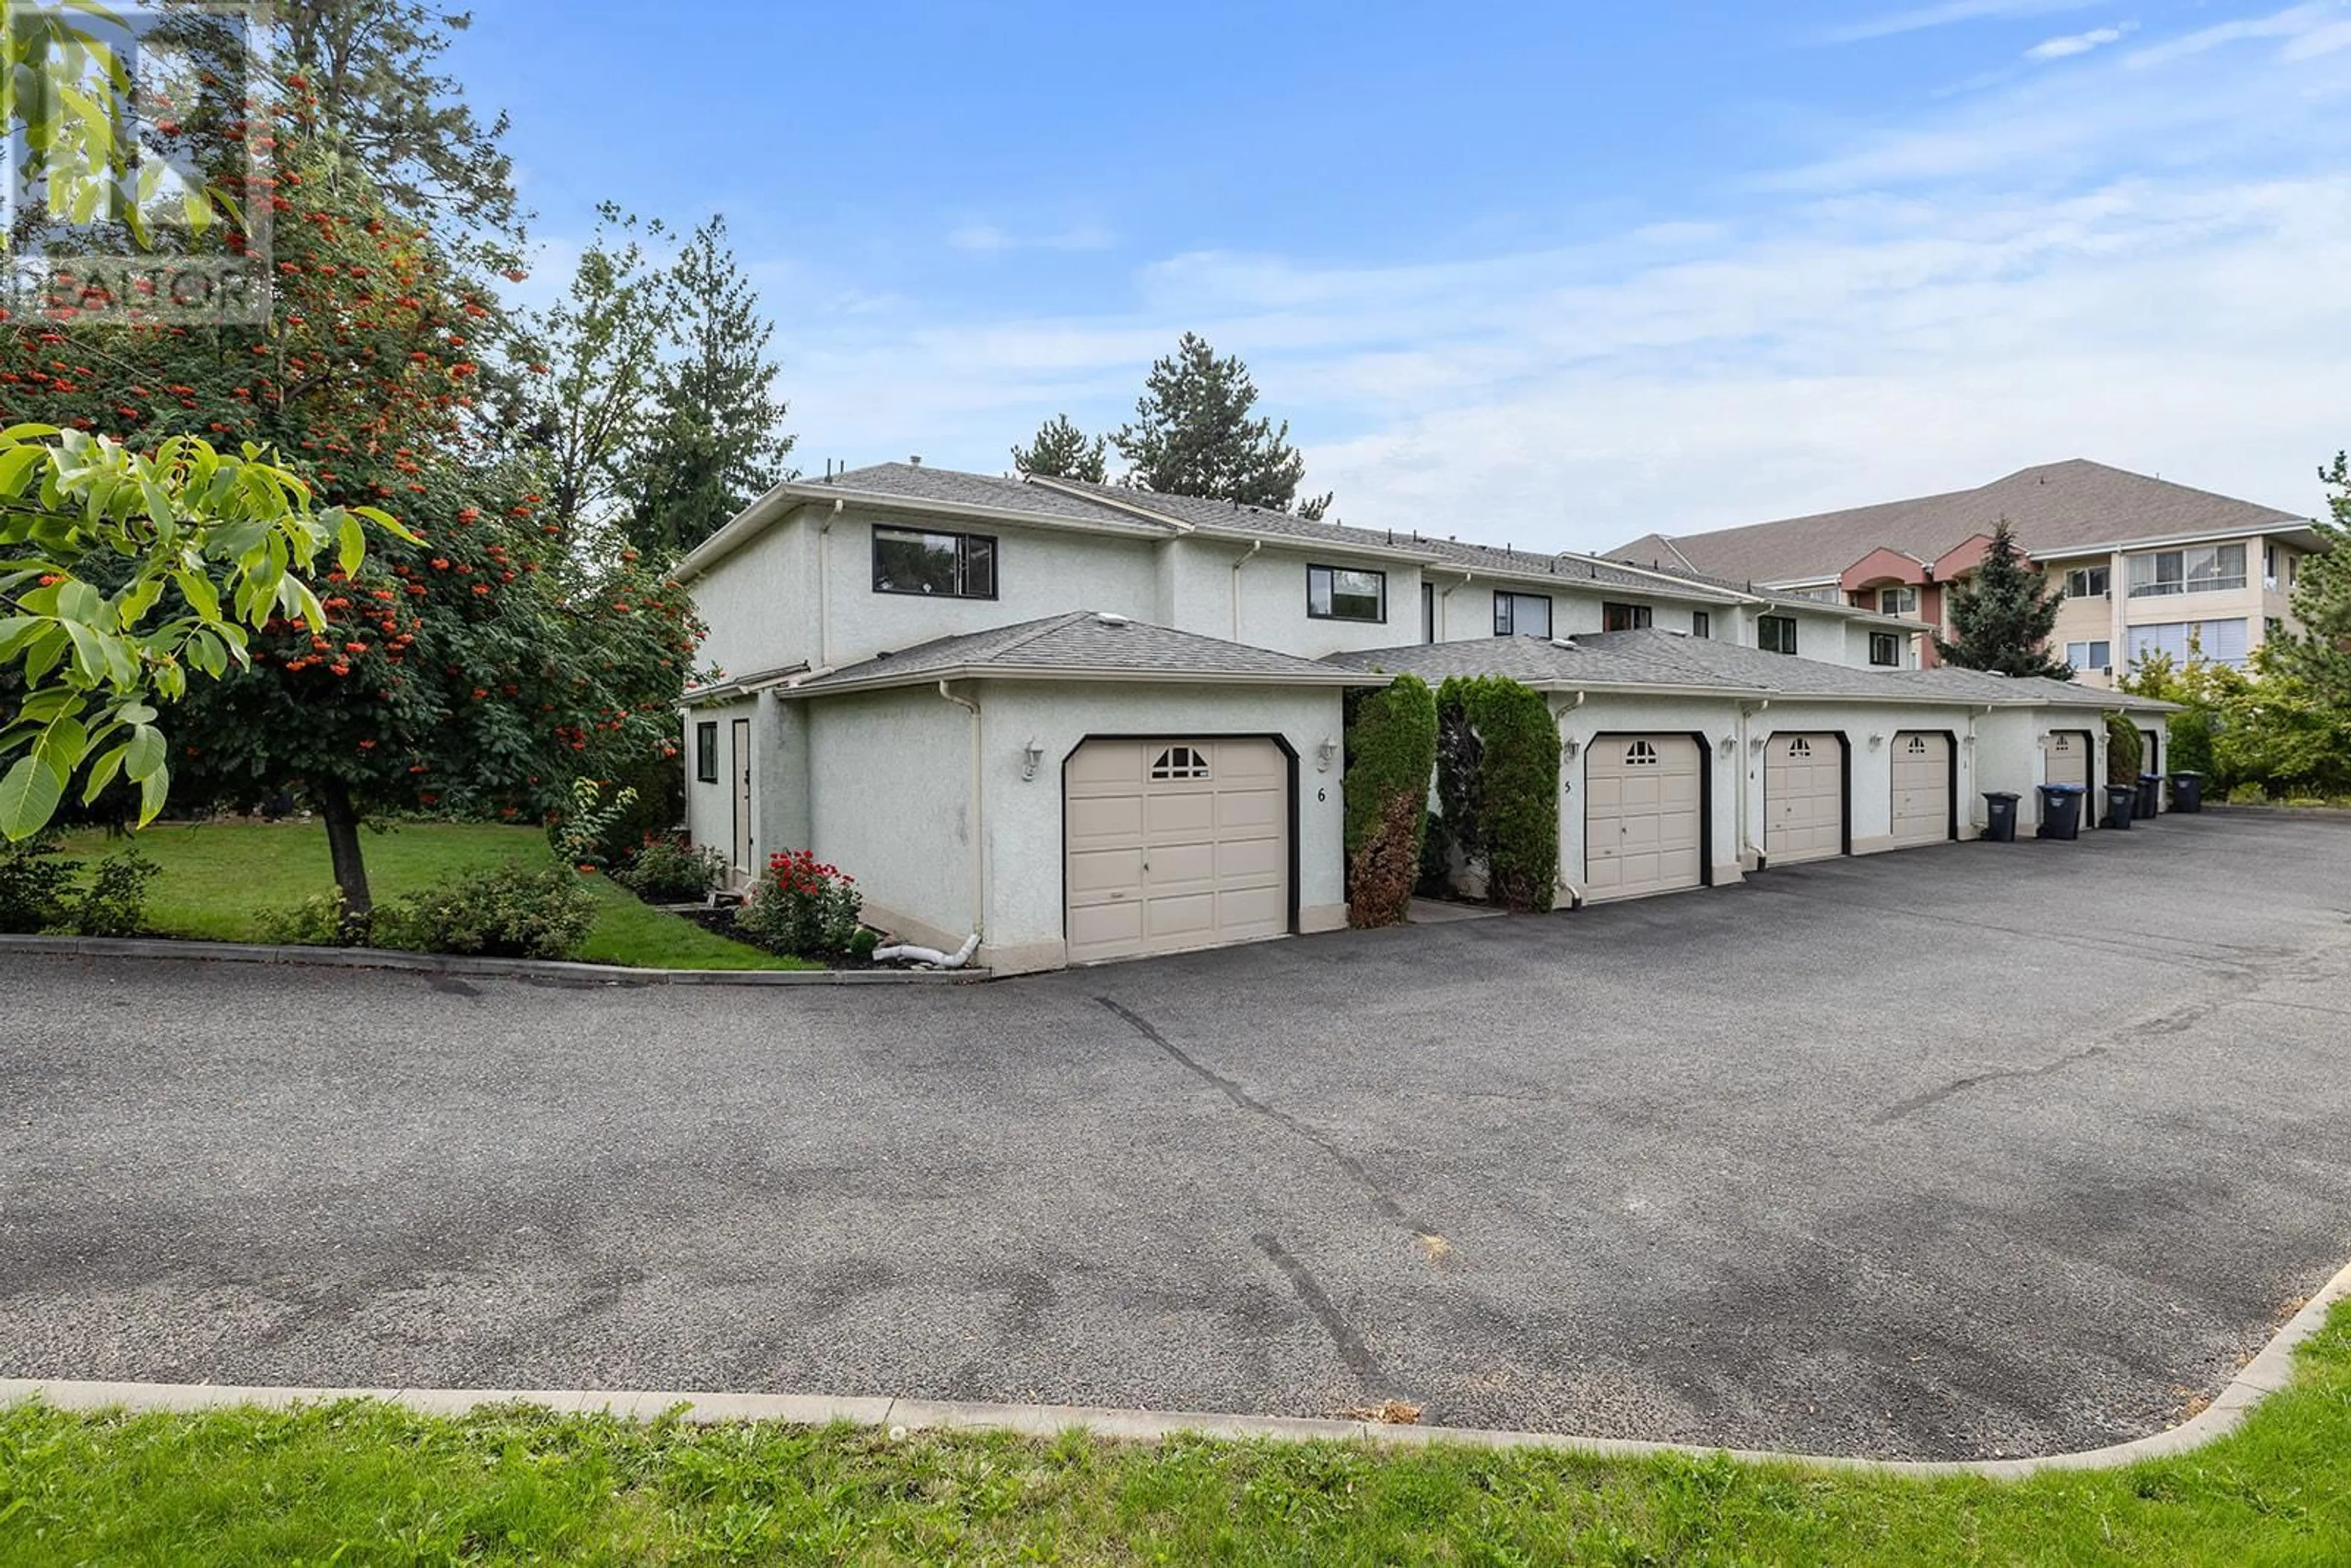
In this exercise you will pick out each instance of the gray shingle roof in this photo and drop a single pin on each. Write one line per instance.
(1079, 641)
(953, 487)
(2052, 507)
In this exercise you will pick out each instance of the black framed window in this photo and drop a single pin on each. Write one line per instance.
(1346, 593)
(1623, 617)
(1885, 648)
(1428, 612)
(1521, 614)
(940, 566)
(2088, 582)
(706, 752)
(1776, 633)
(1701, 624)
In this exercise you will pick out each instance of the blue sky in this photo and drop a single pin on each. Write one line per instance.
(1555, 274)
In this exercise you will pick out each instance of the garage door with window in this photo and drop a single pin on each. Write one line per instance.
(1643, 815)
(1922, 788)
(1804, 798)
(1174, 844)
(2069, 757)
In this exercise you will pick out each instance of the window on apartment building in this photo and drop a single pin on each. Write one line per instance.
(2198, 569)
(1701, 624)
(1521, 614)
(1885, 648)
(706, 752)
(940, 566)
(2089, 655)
(1898, 601)
(2088, 582)
(2220, 642)
(1346, 593)
(2270, 554)
(1776, 633)
(1623, 617)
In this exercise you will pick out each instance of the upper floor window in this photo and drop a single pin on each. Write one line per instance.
(1898, 601)
(1521, 614)
(1346, 593)
(1776, 633)
(1885, 648)
(2088, 582)
(2220, 642)
(1428, 612)
(944, 566)
(1701, 624)
(2269, 562)
(2198, 569)
(706, 752)
(2090, 655)
(1623, 617)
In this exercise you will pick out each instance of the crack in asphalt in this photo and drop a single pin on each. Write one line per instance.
(1917, 1102)
(1382, 1199)
(1348, 1343)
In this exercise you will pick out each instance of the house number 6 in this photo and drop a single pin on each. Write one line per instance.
(1321, 794)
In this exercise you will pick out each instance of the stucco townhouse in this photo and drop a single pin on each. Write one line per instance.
(2145, 565)
(1088, 722)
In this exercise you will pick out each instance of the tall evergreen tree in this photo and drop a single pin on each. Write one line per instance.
(1194, 435)
(2003, 613)
(1062, 450)
(717, 439)
(2319, 654)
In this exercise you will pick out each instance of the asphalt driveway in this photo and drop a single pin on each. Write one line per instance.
(1965, 1150)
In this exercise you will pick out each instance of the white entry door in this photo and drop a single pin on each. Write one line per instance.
(1804, 798)
(1643, 815)
(739, 739)
(1922, 788)
(1174, 844)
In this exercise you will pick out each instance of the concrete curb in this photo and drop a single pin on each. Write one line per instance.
(540, 971)
(2267, 1372)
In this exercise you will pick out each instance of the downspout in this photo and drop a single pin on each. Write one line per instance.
(824, 586)
(1239, 561)
(1443, 612)
(978, 863)
(1574, 890)
(1746, 796)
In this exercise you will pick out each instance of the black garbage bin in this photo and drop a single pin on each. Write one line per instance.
(2120, 800)
(2061, 811)
(2150, 795)
(2188, 791)
(2000, 817)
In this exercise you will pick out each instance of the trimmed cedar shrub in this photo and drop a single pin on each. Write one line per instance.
(2125, 750)
(1498, 785)
(1391, 749)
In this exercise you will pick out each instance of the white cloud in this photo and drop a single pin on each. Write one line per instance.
(987, 239)
(1945, 15)
(2119, 267)
(2297, 23)
(2073, 43)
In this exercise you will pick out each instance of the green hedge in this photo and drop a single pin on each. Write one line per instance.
(2125, 750)
(1498, 785)
(1391, 750)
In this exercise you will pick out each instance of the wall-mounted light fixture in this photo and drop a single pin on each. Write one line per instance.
(1568, 748)
(1756, 745)
(1030, 756)
(1727, 744)
(1325, 753)
(1877, 740)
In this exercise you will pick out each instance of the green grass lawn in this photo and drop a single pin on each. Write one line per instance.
(218, 878)
(362, 1483)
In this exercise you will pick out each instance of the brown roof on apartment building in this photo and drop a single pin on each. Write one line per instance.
(2054, 508)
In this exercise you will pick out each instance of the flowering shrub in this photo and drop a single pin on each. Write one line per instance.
(511, 911)
(801, 907)
(666, 868)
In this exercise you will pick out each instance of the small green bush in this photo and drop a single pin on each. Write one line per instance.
(2125, 750)
(1391, 751)
(115, 902)
(590, 836)
(316, 922)
(802, 908)
(36, 886)
(2249, 795)
(1497, 782)
(511, 911)
(666, 869)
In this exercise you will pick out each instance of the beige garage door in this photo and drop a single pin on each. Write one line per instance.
(1922, 788)
(1804, 798)
(1641, 815)
(2069, 757)
(1174, 844)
